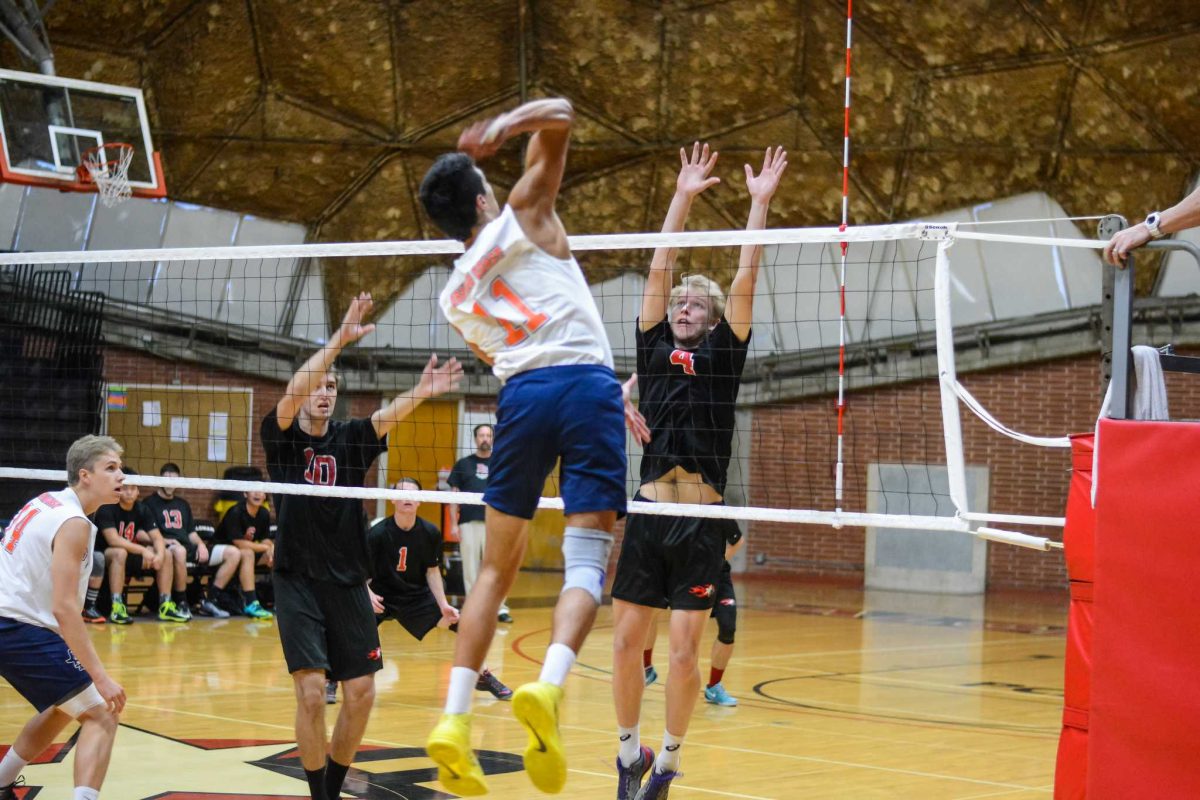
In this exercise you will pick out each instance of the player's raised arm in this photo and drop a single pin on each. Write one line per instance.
(313, 371)
(435, 381)
(693, 179)
(740, 309)
(550, 123)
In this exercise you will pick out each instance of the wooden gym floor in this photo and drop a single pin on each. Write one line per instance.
(844, 694)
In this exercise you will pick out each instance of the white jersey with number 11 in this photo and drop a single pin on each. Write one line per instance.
(521, 306)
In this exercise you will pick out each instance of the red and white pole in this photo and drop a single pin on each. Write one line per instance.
(839, 477)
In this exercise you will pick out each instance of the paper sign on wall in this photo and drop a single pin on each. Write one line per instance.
(218, 436)
(151, 413)
(179, 429)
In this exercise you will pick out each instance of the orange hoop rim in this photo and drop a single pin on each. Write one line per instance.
(84, 174)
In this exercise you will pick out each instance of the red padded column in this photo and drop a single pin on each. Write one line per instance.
(1145, 694)
(1070, 771)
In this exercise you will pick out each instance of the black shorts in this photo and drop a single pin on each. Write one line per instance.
(670, 562)
(326, 626)
(418, 615)
(725, 594)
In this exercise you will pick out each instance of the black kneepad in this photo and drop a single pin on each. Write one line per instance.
(726, 622)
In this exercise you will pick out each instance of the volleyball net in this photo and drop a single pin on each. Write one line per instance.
(180, 353)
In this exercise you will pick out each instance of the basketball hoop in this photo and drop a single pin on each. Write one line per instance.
(107, 166)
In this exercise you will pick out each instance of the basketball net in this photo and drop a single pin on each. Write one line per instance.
(107, 166)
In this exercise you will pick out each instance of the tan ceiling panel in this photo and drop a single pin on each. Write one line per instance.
(1010, 109)
(294, 182)
(941, 182)
(204, 73)
(112, 24)
(606, 54)
(337, 54)
(1118, 20)
(279, 118)
(1159, 81)
(93, 65)
(939, 34)
(451, 55)
(1098, 122)
(729, 64)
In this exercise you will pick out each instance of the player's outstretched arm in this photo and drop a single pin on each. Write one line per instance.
(313, 371)
(435, 381)
(1182, 215)
(68, 552)
(740, 309)
(550, 122)
(694, 178)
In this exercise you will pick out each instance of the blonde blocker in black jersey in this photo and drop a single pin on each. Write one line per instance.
(688, 398)
(324, 538)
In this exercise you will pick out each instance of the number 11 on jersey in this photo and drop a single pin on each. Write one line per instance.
(499, 289)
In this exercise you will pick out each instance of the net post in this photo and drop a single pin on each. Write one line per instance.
(1118, 294)
(956, 468)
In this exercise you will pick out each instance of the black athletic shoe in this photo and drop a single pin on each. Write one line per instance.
(330, 692)
(505, 617)
(488, 682)
(93, 617)
(10, 792)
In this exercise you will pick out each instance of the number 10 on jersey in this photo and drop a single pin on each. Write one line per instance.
(531, 319)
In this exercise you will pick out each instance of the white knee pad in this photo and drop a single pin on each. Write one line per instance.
(82, 703)
(585, 555)
(97, 564)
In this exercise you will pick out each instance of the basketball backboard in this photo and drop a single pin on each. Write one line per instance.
(47, 122)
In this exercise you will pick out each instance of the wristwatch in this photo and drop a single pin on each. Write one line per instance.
(1152, 220)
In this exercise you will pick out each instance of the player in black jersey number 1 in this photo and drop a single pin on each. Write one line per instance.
(321, 566)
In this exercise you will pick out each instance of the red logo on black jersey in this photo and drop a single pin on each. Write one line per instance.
(685, 359)
(705, 591)
(375, 655)
(320, 470)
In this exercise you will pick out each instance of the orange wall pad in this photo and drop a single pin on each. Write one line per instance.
(1145, 701)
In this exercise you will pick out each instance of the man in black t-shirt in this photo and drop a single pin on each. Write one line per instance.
(406, 577)
(132, 545)
(470, 474)
(173, 515)
(326, 621)
(247, 526)
(690, 357)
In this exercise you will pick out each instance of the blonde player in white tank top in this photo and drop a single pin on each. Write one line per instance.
(521, 302)
(45, 652)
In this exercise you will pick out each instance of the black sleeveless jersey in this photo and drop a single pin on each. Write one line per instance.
(688, 399)
(324, 538)
(400, 558)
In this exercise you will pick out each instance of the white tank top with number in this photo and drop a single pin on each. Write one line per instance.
(26, 586)
(521, 306)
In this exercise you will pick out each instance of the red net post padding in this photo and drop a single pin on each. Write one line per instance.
(1079, 539)
(1145, 696)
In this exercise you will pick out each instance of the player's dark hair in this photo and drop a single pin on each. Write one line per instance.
(475, 430)
(407, 479)
(448, 193)
(170, 466)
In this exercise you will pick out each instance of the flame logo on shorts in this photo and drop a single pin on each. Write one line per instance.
(376, 654)
(706, 591)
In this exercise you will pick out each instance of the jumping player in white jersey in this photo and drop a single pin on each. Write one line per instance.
(690, 356)
(45, 652)
(520, 300)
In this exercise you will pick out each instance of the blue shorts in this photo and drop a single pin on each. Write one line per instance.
(574, 413)
(39, 665)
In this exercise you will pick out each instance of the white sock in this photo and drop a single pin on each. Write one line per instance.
(84, 793)
(10, 767)
(668, 759)
(462, 686)
(631, 745)
(559, 660)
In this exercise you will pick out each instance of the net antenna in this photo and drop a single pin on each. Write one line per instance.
(840, 467)
(107, 167)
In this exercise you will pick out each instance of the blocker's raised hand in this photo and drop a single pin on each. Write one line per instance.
(763, 185)
(695, 170)
(437, 380)
(352, 328)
